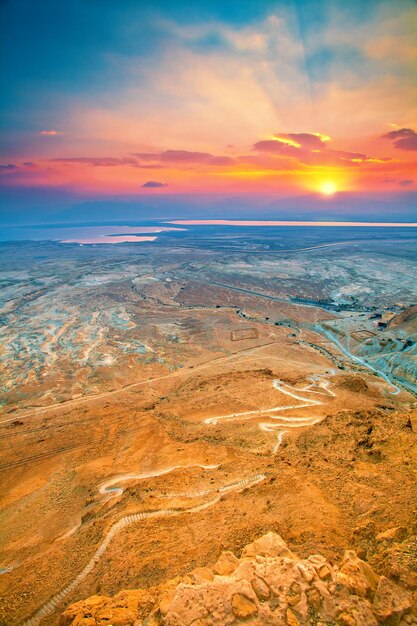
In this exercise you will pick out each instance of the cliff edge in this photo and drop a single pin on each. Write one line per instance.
(267, 585)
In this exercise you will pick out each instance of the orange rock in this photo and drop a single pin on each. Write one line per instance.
(201, 573)
(354, 611)
(270, 544)
(84, 621)
(294, 594)
(116, 616)
(83, 608)
(291, 618)
(243, 606)
(306, 570)
(357, 575)
(314, 599)
(345, 619)
(391, 602)
(226, 564)
(324, 572)
(260, 588)
(397, 533)
(164, 606)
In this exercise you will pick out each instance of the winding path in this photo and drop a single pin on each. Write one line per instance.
(285, 422)
(317, 328)
(311, 395)
(318, 385)
(112, 492)
(50, 607)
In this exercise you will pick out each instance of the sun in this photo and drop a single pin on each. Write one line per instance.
(328, 188)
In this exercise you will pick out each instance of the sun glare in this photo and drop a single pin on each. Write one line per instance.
(328, 188)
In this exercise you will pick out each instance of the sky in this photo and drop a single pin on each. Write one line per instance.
(276, 102)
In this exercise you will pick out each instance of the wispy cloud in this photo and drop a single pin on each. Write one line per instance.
(97, 161)
(50, 133)
(406, 182)
(187, 157)
(403, 138)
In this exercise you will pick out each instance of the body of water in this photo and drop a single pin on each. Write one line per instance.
(89, 234)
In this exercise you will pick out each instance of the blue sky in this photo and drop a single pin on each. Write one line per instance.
(90, 84)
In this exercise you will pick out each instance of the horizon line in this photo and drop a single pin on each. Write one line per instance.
(290, 223)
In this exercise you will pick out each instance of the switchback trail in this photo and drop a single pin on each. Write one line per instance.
(281, 422)
(317, 385)
(51, 606)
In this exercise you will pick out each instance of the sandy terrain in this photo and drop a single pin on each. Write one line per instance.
(154, 439)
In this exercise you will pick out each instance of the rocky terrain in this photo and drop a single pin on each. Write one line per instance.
(175, 409)
(268, 584)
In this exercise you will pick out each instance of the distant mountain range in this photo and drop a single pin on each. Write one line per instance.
(37, 206)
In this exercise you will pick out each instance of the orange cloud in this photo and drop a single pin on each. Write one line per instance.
(311, 149)
(289, 163)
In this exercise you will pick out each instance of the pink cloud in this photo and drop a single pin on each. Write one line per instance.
(50, 133)
(185, 157)
(97, 161)
(273, 146)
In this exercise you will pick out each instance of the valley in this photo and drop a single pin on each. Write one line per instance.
(164, 401)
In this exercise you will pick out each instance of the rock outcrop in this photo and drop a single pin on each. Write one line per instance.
(268, 585)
